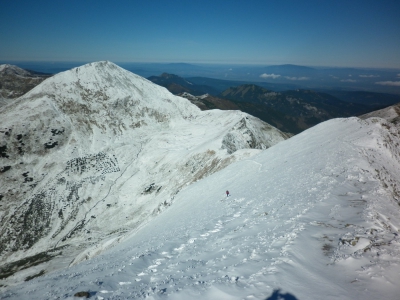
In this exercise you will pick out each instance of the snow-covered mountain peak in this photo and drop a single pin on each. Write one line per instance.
(15, 82)
(102, 89)
(7, 69)
(93, 153)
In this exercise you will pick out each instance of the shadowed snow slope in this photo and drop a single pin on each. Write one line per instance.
(92, 153)
(316, 216)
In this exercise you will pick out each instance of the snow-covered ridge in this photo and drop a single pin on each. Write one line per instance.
(314, 217)
(95, 152)
(13, 70)
(390, 114)
(14, 82)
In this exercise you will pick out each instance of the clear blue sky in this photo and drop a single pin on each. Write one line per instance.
(354, 33)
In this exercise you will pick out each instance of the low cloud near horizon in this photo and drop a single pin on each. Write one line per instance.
(297, 78)
(389, 83)
(348, 80)
(369, 76)
(273, 76)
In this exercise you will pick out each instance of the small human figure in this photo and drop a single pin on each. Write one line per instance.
(227, 193)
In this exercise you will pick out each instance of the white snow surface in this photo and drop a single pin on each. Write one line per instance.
(94, 153)
(314, 217)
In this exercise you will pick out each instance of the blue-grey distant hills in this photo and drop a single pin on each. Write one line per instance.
(275, 77)
(176, 85)
(290, 69)
(292, 110)
(299, 109)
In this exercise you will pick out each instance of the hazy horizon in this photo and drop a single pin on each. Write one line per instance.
(80, 63)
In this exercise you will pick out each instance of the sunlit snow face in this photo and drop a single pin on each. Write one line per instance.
(97, 146)
(276, 229)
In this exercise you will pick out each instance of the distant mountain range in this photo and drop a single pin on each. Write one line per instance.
(176, 85)
(278, 101)
(283, 77)
(274, 77)
(291, 110)
(299, 109)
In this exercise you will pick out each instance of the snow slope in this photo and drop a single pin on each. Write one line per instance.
(314, 217)
(93, 153)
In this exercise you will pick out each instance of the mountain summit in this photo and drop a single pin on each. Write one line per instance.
(93, 153)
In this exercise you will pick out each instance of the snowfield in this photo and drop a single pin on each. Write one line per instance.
(93, 154)
(313, 217)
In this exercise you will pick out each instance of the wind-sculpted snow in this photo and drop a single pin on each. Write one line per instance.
(313, 217)
(93, 153)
